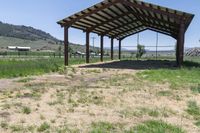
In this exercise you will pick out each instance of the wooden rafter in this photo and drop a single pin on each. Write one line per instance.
(123, 32)
(107, 21)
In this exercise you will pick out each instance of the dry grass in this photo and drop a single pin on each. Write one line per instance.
(94, 100)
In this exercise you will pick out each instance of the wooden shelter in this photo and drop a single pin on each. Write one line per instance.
(119, 19)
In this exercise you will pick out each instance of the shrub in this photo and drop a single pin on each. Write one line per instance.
(140, 51)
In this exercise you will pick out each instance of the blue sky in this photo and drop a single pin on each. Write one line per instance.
(43, 14)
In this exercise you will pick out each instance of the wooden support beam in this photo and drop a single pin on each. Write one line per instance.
(87, 47)
(111, 52)
(180, 43)
(66, 44)
(120, 48)
(177, 53)
(101, 48)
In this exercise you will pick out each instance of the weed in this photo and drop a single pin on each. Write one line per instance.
(4, 125)
(16, 128)
(195, 89)
(103, 127)
(197, 123)
(43, 127)
(155, 127)
(26, 110)
(6, 106)
(141, 111)
(154, 113)
(59, 100)
(193, 109)
(164, 93)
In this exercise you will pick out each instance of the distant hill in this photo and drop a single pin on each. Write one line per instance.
(19, 35)
(24, 32)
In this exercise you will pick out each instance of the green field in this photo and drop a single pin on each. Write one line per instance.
(19, 67)
(188, 75)
(16, 67)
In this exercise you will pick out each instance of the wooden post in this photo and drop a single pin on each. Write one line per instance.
(87, 47)
(182, 41)
(111, 48)
(120, 49)
(180, 44)
(101, 48)
(66, 44)
(177, 52)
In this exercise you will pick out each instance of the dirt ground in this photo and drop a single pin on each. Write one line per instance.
(78, 97)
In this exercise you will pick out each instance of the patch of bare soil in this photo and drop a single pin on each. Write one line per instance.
(7, 83)
(79, 97)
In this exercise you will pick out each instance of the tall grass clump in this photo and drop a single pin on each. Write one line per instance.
(17, 68)
(10, 68)
(153, 126)
(193, 109)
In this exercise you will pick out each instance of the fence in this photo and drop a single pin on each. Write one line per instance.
(128, 52)
(30, 54)
(151, 52)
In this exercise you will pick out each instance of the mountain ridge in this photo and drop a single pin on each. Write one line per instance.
(27, 36)
(24, 32)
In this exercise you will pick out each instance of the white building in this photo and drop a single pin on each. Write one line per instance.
(18, 48)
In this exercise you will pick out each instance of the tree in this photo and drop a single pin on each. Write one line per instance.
(59, 50)
(70, 50)
(140, 51)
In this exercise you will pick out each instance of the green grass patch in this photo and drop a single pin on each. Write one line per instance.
(187, 75)
(193, 109)
(10, 68)
(197, 123)
(144, 111)
(106, 127)
(17, 128)
(102, 127)
(43, 127)
(18, 68)
(196, 89)
(26, 110)
(155, 127)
